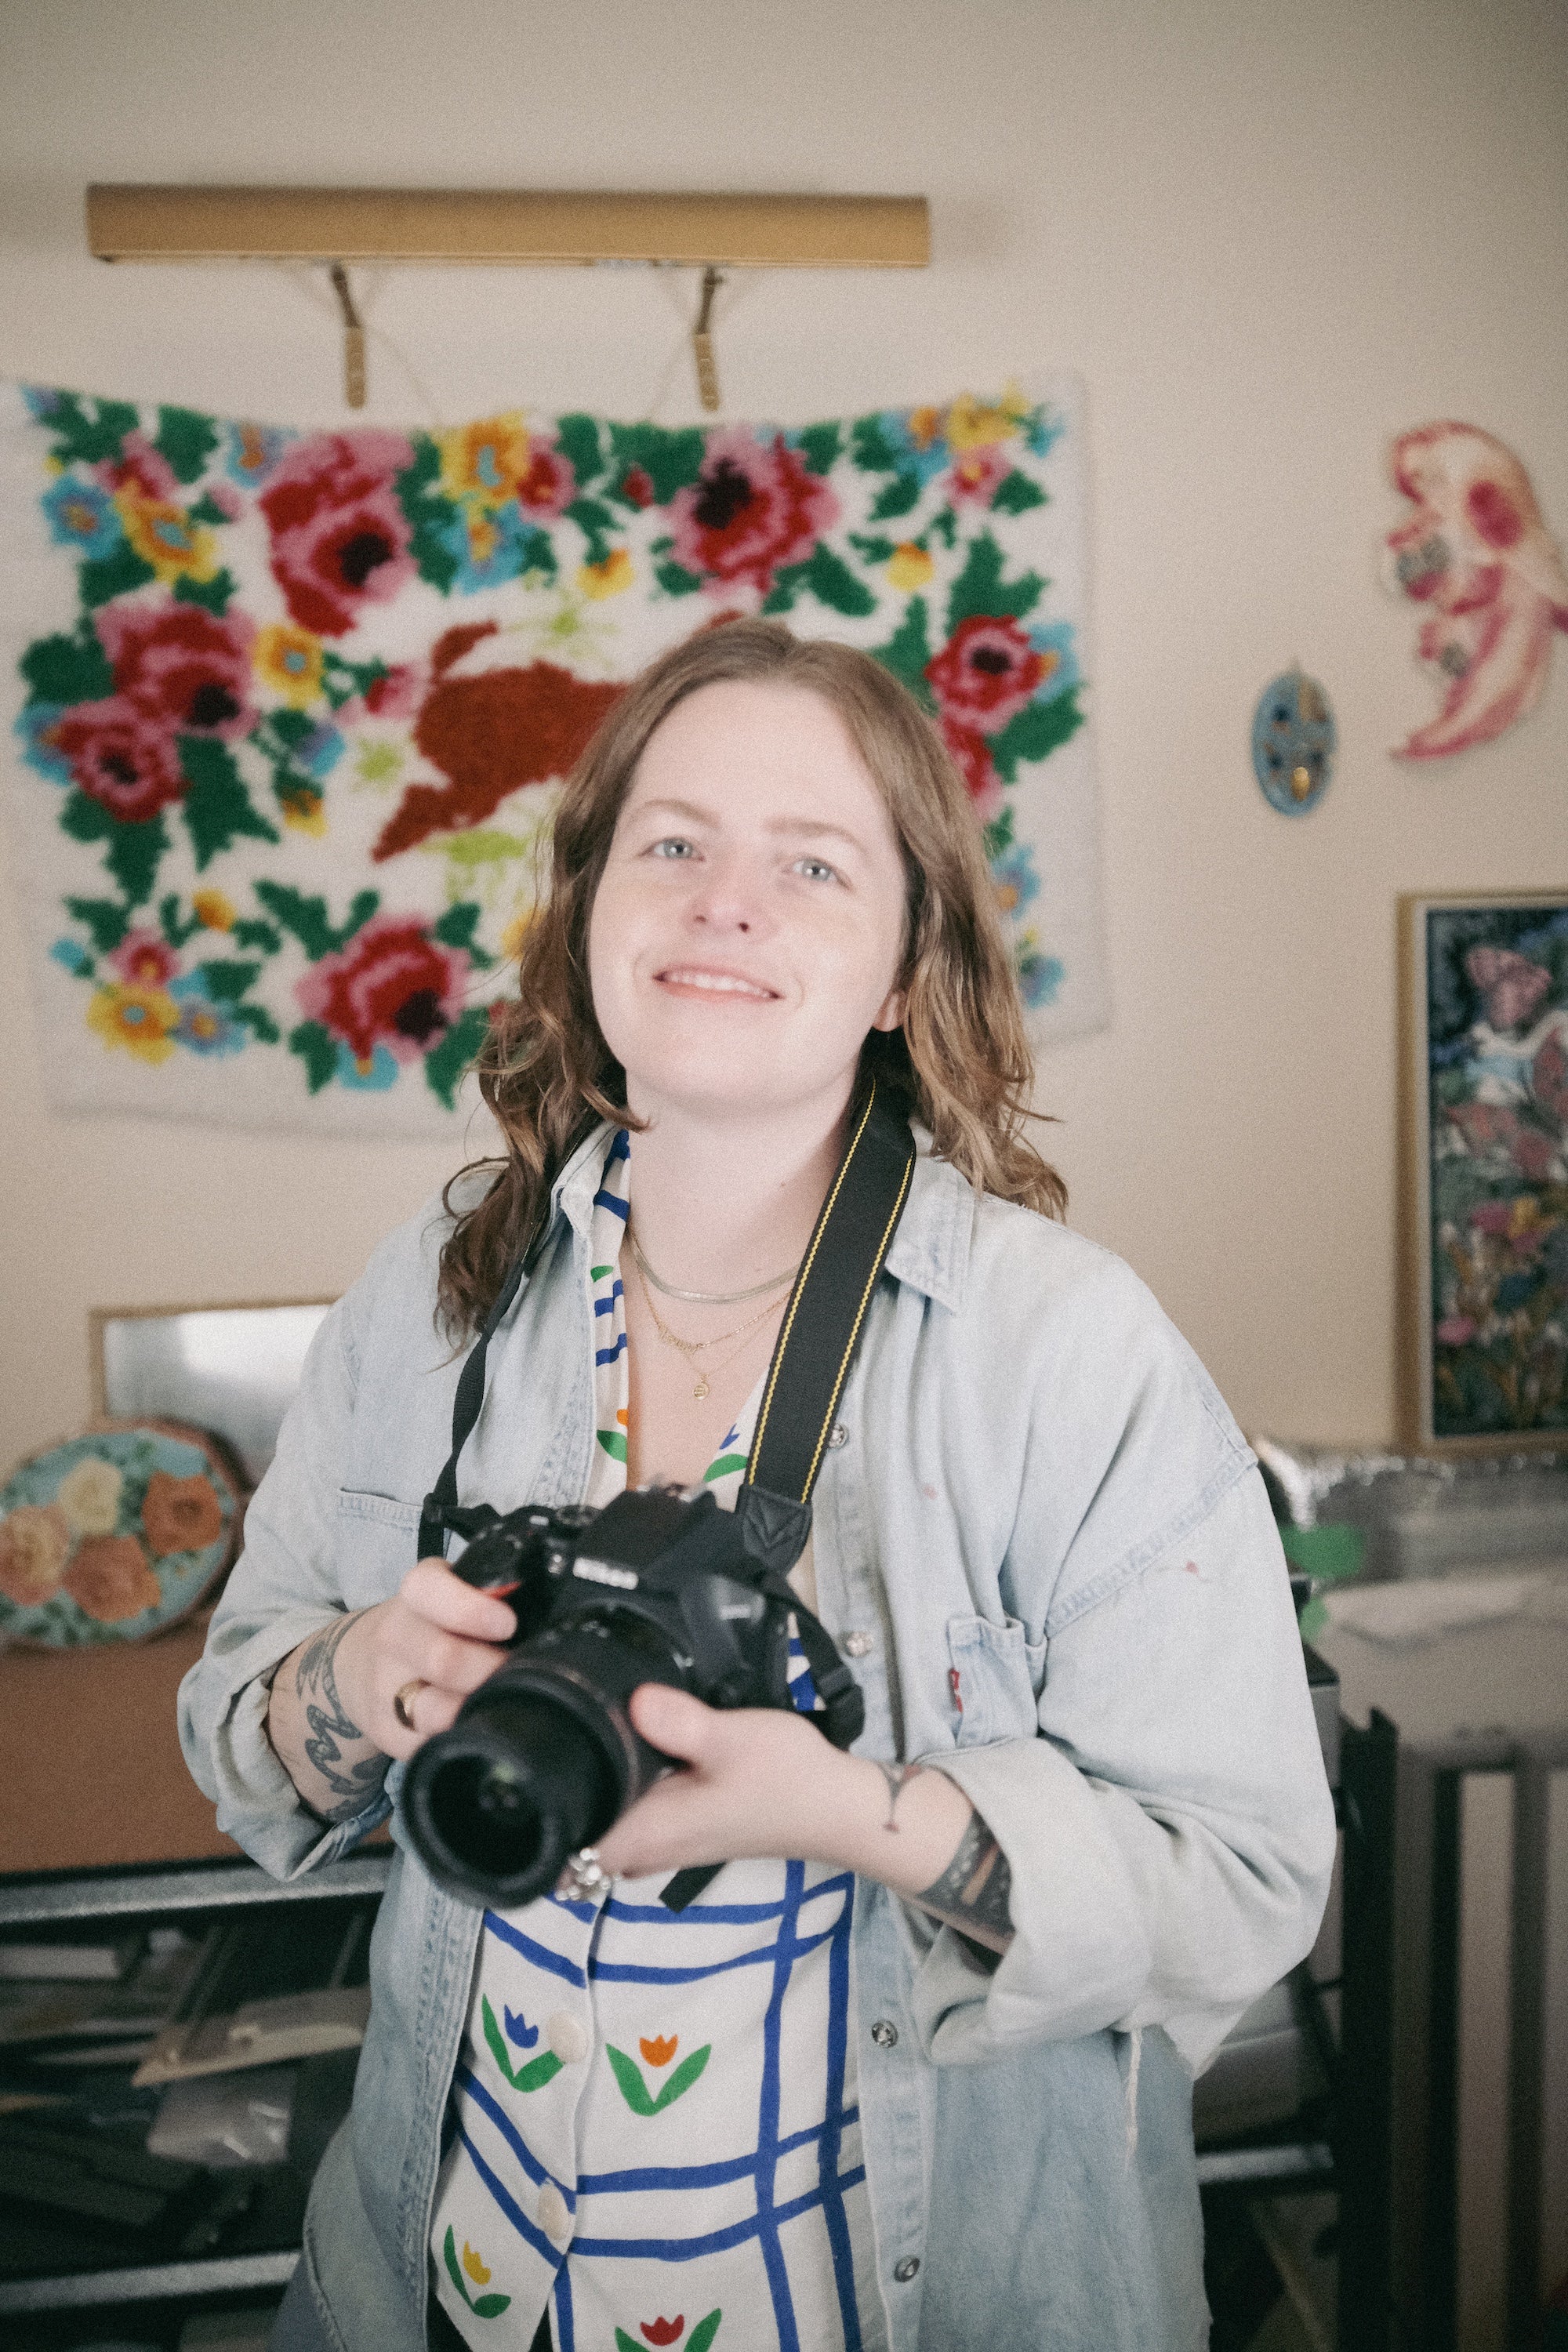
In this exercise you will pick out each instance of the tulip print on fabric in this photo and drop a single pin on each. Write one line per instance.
(292, 709)
(1476, 555)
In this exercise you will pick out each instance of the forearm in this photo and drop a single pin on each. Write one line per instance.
(917, 1832)
(335, 1766)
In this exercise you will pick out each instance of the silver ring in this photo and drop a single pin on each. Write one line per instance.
(402, 1704)
(584, 1878)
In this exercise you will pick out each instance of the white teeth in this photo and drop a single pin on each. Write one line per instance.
(722, 983)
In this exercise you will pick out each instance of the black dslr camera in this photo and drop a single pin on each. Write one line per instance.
(661, 1586)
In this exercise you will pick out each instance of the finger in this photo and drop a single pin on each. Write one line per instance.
(431, 1591)
(414, 1647)
(674, 1722)
(433, 1710)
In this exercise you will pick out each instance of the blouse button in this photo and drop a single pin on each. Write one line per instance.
(857, 1646)
(904, 2271)
(567, 2037)
(884, 2033)
(553, 2218)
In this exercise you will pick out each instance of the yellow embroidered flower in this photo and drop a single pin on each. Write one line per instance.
(89, 1496)
(487, 462)
(607, 578)
(141, 1020)
(972, 424)
(288, 660)
(213, 911)
(475, 2268)
(924, 426)
(164, 536)
(514, 934)
(908, 566)
(303, 810)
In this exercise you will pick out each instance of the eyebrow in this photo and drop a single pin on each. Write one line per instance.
(798, 826)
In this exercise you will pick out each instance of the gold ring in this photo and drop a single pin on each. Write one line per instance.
(402, 1704)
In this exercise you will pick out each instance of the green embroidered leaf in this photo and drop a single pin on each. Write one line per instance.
(447, 1064)
(821, 446)
(217, 807)
(719, 1469)
(207, 509)
(106, 923)
(318, 1050)
(213, 595)
(788, 580)
(897, 497)
(135, 854)
(682, 2079)
(490, 2306)
(593, 521)
(291, 728)
(980, 588)
(456, 928)
(629, 2074)
(248, 933)
(998, 834)
(187, 440)
(78, 434)
(1035, 733)
(944, 525)
(577, 438)
(908, 651)
(702, 2335)
(68, 669)
(260, 1021)
(113, 576)
(671, 461)
(175, 931)
(228, 982)
(429, 515)
(872, 551)
(675, 580)
(1017, 494)
(870, 447)
(614, 1442)
(86, 819)
(833, 583)
(306, 919)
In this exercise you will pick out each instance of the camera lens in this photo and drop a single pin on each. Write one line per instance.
(499, 1803)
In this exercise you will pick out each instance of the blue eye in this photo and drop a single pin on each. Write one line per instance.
(817, 869)
(673, 848)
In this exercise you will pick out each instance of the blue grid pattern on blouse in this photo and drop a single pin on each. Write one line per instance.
(788, 1947)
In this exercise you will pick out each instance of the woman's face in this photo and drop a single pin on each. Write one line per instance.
(748, 930)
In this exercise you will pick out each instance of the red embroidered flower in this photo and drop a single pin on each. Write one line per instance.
(395, 695)
(339, 540)
(751, 509)
(393, 985)
(973, 755)
(985, 673)
(182, 664)
(550, 485)
(120, 758)
(636, 487)
(663, 2331)
(110, 1578)
(144, 959)
(141, 469)
(978, 473)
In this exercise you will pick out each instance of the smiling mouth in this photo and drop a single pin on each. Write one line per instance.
(715, 983)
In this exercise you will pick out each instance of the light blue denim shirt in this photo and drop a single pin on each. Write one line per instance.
(1053, 1546)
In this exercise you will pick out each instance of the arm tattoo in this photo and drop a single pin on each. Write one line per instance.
(972, 1894)
(316, 1685)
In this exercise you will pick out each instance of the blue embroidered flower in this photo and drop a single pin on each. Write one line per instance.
(42, 400)
(1015, 878)
(489, 546)
(73, 955)
(1055, 641)
(82, 516)
(372, 1076)
(205, 1026)
(1039, 976)
(254, 451)
(36, 728)
(320, 751)
(518, 2029)
(921, 452)
(1045, 427)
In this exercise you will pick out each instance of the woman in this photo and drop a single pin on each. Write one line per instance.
(915, 2069)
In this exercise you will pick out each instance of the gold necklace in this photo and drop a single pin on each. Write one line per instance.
(706, 1298)
(692, 1347)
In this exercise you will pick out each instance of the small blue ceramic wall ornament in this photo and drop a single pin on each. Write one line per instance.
(1293, 742)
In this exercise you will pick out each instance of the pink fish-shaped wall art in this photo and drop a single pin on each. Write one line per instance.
(1477, 556)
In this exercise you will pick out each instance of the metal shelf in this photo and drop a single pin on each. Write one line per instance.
(157, 2283)
(202, 1886)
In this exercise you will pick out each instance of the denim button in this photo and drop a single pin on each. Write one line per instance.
(884, 2033)
(904, 2271)
(856, 1645)
(836, 1436)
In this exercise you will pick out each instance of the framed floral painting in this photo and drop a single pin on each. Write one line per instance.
(1486, 1159)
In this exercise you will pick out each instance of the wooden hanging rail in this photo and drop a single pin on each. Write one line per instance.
(463, 226)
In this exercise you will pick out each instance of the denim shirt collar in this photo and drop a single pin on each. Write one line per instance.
(930, 1251)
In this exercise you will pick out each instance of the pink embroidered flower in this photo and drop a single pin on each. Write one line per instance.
(120, 759)
(110, 1578)
(978, 474)
(549, 485)
(395, 695)
(180, 665)
(339, 540)
(986, 672)
(753, 510)
(144, 959)
(141, 469)
(393, 985)
(972, 754)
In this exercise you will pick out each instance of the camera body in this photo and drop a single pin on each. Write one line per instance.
(658, 1586)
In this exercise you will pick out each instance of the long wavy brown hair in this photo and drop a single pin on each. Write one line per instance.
(961, 1063)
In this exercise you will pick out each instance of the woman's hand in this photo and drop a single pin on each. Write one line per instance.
(764, 1782)
(331, 1717)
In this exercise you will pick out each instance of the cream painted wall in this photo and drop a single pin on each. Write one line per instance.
(1267, 238)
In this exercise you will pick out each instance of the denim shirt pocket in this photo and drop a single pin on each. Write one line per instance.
(997, 1676)
(378, 1539)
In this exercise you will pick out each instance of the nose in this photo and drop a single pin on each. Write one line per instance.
(729, 897)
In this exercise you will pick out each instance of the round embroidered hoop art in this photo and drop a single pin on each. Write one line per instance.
(115, 1535)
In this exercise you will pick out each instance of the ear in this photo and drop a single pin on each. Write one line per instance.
(891, 1013)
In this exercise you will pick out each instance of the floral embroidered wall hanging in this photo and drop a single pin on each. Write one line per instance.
(292, 708)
